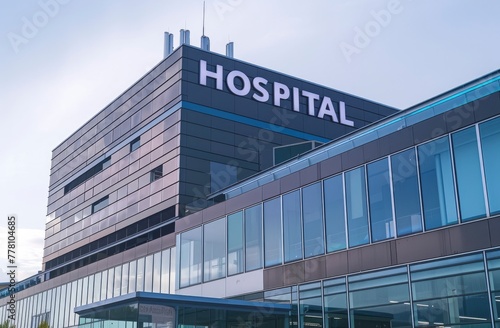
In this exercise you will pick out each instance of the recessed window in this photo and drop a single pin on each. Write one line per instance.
(100, 204)
(87, 175)
(156, 173)
(134, 144)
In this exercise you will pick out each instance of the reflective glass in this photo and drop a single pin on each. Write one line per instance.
(165, 270)
(468, 171)
(191, 254)
(450, 292)
(222, 175)
(311, 308)
(156, 272)
(140, 275)
(335, 303)
(91, 287)
(124, 282)
(253, 238)
(97, 287)
(111, 280)
(131, 276)
(334, 214)
(438, 189)
(235, 242)
(406, 192)
(214, 250)
(490, 144)
(357, 217)
(292, 232)
(148, 274)
(313, 227)
(272, 232)
(379, 195)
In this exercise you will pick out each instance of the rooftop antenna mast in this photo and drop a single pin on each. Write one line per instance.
(205, 41)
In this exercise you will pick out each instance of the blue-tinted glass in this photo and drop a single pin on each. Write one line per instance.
(468, 171)
(272, 232)
(292, 228)
(134, 144)
(438, 190)
(357, 218)
(190, 257)
(334, 214)
(379, 195)
(214, 250)
(490, 143)
(235, 242)
(253, 238)
(312, 208)
(222, 175)
(406, 192)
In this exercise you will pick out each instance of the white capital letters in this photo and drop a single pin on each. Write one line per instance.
(232, 87)
(258, 84)
(326, 108)
(217, 75)
(281, 91)
(311, 97)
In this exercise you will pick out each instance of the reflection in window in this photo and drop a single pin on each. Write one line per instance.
(190, 257)
(134, 144)
(292, 232)
(493, 260)
(406, 192)
(357, 217)
(272, 232)
(335, 303)
(490, 144)
(379, 192)
(132, 276)
(450, 292)
(156, 272)
(312, 209)
(380, 299)
(438, 190)
(156, 173)
(165, 270)
(214, 250)
(235, 242)
(253, 237)
(100, 204)
(148, 274)
(310, 305)
(334, 214)
(140, 275)
(468, 171)
(222, 175)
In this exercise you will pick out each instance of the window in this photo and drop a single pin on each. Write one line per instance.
(100, 204)
(334, 213)
(134, 144)
(190, 257)
(292, 227)
(253, 238)
(156, 173)
(468, 171)
(87, 174)
(438, 189)
(406, 192)
(272, 232)
(214, 250)
(357, 216)
(312, 209)
(490, 142)
(379, 192)
(235, 242)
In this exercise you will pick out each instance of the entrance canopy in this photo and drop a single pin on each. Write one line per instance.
(142, 309)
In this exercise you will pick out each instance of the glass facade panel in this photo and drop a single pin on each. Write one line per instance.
(272, 233)
(91, 289)
(148, 274)
(310, 306)
(253, 238)
(97, 287)
(132, 276)
(110, 284)
(335, 303)
(406, 192)
(334, 214)
(468, 171)
(235, 242)
(214, 250)
(380, 299)
(292, 232)
(493, 259)
(139, 287)
(450, 292)
(190, 257)
(156, 272)
(357, 217)
(313, 227)
(104, 285)
(379, 195)
(438, 189)
(490, 143)
(165, 270)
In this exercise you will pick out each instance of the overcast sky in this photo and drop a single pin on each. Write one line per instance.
(62, 62)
